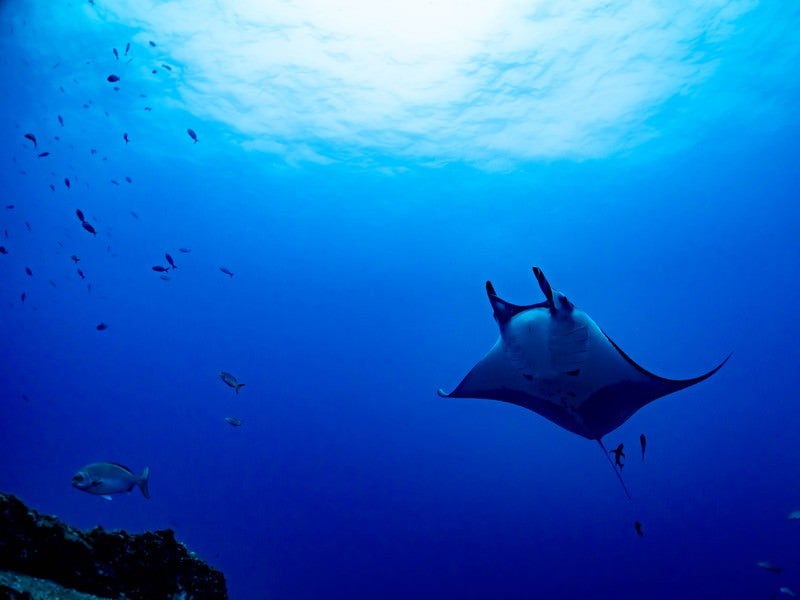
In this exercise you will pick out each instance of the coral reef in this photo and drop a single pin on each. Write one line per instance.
(108, 564)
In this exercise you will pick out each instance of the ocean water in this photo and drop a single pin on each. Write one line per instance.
(362, 169)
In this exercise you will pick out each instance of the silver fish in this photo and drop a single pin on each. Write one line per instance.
(230, 380)
(104, 478)
(233, 421)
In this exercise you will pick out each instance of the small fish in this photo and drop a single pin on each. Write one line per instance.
(148, 109)
(89, 228)
(115, 182)
(226, 271)
(128, 179)
(93, 151)
(116, 54)
(160, 269)
(22, 297)
(67, 183)
(101, 327)
(643, 443)
(104, 478)
(166, 66)
(170, 261)
(152, 44)
(233, 421)
(28, 271)
(31, 137)
(230, 381)
(60, 120)
(28, 226)
(164, 277)
(3, 250)
(127, 48)
(112, 79)
(79, 213)
(9, 206)
(52, 187)
(75, 259)
(768, 566)
(43, 154)
(52, 283)
(638, 527)
(184, 250)
(133, 214)
(192, 135)
(154, 71)
(125, 137)
(81, 275)
(788, 592)
(24, 397)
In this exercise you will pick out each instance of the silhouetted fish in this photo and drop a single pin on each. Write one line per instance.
(89, 228)
(148, 108)
(79, 213)
(28, 226)
(125, 137)
(75, 259)
(192, 135)
(116, 54)
(226, 271)
(66, 182)
(166, 66)
(28, 271)
(638, 527)
(127, 48)
(112, 78)
(9, 206)
(115, 182)
(184, 250)
(170, 261)
(164, 277)
(128, 179)
(3, 250)
(133, 214)
(60, 120)
(160, 269)
(22, 297)
(43, 154)
(32, 138)
(81, 275)
(51, 282)
(152, 44)
(52, 187)
(230, 381)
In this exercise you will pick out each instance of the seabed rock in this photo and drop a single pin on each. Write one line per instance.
(103, 564)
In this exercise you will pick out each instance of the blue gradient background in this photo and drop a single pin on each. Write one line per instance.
(358, 290)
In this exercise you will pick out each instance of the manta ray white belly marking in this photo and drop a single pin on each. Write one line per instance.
(553, 359)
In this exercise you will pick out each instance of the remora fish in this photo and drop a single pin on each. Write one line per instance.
(230, 380)
(104, 478)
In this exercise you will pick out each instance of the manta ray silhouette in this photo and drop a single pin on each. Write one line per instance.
(553, 359)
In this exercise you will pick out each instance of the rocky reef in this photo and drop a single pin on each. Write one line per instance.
(106, 564)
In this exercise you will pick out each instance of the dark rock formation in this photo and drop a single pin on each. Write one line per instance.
(111, 564)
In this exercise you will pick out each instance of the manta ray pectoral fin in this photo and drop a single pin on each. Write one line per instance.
(505, 311)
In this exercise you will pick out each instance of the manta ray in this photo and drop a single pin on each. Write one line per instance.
(553, 359)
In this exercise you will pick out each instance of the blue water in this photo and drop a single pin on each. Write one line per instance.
(359, 258)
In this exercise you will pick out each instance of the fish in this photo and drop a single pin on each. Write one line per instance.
(101, 327)
(105, 478)
(79, 214)
(160, 269)
(768, 566)
(148, 109)
(22, 297)
(60, 120)
(28, 271)
(193, 135)
(554, 360)
(116, 54)
(28, 226)
(3, 250)
(230, 381)
(88, 227)
(794, 515)
(115, 182)
(112, 78)
(92, 151)
(43, 154)
(80, 274)
(170, 261)
(638, 527)
(165, 278)
(52, 187)
(67, 183)
(152, 44)
(166, 66)
(125, 137)
(133, 214)
(9, 206)
(128, 179)
(52, 283)
(787, 591)
(184, 250)
(75, 259)
(127, 48)
(233, 421)
(642, 443)
(31, 137)
(226, 271)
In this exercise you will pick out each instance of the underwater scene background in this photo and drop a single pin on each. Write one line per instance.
(362, 169)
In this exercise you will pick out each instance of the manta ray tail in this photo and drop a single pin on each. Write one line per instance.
(616, 470)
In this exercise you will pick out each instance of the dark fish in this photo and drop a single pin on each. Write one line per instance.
(93, 151)
(52, 187)
(66, 182)
(134, 215)
(81, 275)
(233, 421)
(24, 397)
(127, 48)
(51, 282)
(56, 138)
(101, 327)
(643, 443)
(192, 135)
(148, 108)
(226, 271)
(28, 226)
(22, 297)
(79, 213)
(154, 71)
(152, 44)
(164, 277)
(9, 206)
(75, 259)
(3, 250)
(43, 154)
(167, 67)
(89, 228)
(60, 120)
(116, 54)
(618, 455)
(170, 261)
(230, 380)
(184, 250)
(111, 79)
(160, 269)
(28, 271)
(115, 182)
(32, 138)
(638, 527)
(102, 479)
(125, 137)
(128, 179)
